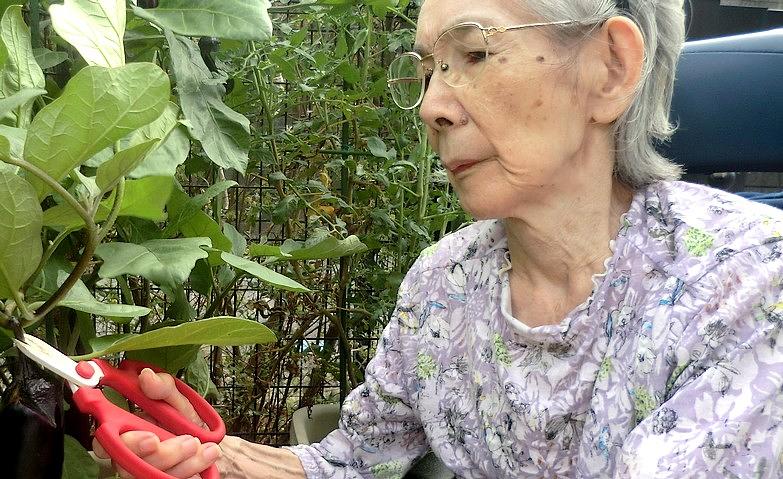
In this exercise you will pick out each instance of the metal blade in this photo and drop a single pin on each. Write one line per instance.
(53, 360)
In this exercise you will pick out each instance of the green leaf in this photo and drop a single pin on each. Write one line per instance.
(47, 58)
(235, 19)
(79, 298)
(196, 223)
(144, 198)
(165, 262)
(20, 232)
(224, 134)
(171, 152)
(98, 107)
(182, 208)
(18, 99)
(218, 331)
(94, 27)
(77, 462)
(320, 246)
(238, 241)
(20, 71)
(171, 358)
(378, 148)
(123, 162)
(263, 273)
(16, 138)
(197, 377)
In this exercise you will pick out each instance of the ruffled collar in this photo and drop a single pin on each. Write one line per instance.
(571, 324)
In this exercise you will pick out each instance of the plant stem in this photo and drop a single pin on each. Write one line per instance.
(402, 15)
(76, 274)
(268, 117)
(223, 295)
(127, 294)
(20, 303)
(57, 187)
(119, 194)
(48, 254)
(367, 46)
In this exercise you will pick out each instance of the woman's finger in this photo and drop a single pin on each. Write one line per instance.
(99, 450)
(161, 386)
(172, 452)
(206, 455)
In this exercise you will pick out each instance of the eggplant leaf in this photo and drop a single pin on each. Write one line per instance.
(79, 298)
(171, 152)
(123, 162)
(47, 58)
(165, 262)
(144, 198)
(263, 273)
(20, 71)
(320, 246)
(94, 27)
(218, 331)
(18, 99)
(98, 107)
(234, 19)
(20, 232)
(224, 134)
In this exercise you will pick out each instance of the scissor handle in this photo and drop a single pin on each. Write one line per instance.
(114, 421)
(125, 379)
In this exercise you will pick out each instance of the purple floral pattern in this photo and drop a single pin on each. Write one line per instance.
(673, 367)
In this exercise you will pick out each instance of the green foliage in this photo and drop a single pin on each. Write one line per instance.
(20, 70)
(21, 221)
(165, 262)
(224, 133)
(236, 19)
(219, 331)
(94, 27)
(78, 464)
(98, 107)
(256, 174)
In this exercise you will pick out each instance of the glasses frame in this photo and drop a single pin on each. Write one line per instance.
(486, 33)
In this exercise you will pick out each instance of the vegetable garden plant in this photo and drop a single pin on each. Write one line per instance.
(110, 111)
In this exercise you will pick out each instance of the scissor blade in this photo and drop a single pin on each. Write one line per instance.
(53, 360)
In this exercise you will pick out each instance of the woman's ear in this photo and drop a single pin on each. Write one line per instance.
(617, 61)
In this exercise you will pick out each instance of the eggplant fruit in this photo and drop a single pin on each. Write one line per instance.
(31, 424)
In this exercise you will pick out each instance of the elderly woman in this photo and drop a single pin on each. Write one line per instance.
(600, 319)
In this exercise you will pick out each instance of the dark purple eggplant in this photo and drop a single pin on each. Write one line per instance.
(31, 424)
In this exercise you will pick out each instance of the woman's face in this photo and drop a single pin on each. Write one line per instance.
(515, 136)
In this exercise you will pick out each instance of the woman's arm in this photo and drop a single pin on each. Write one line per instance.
(241, 459)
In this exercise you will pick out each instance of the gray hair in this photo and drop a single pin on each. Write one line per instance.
(662, 23)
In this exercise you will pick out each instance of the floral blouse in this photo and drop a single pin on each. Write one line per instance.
(673, 367)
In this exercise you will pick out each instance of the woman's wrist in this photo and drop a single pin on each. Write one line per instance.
(242, 459)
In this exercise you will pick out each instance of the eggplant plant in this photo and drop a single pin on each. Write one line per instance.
(93, 144)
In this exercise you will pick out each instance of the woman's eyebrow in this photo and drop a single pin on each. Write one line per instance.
(421, 50)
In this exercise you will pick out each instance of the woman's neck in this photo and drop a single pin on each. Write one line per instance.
(559, 244)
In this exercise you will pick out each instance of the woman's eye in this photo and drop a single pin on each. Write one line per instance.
(475, 57)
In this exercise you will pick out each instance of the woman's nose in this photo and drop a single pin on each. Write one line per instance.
(439, 109)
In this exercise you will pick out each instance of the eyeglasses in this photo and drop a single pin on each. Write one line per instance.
(460, 55)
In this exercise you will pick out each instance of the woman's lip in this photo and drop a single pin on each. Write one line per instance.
(462, 167)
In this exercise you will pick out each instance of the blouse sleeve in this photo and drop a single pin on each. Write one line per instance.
(722, 417)
(379, 435)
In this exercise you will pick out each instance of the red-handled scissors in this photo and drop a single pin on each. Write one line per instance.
(85, 379)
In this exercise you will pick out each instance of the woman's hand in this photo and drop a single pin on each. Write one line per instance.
(181, 456)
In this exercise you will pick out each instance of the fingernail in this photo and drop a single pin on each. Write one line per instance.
(211, 452)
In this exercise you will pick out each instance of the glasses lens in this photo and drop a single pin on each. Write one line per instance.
(406, 80)
(460, 54)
